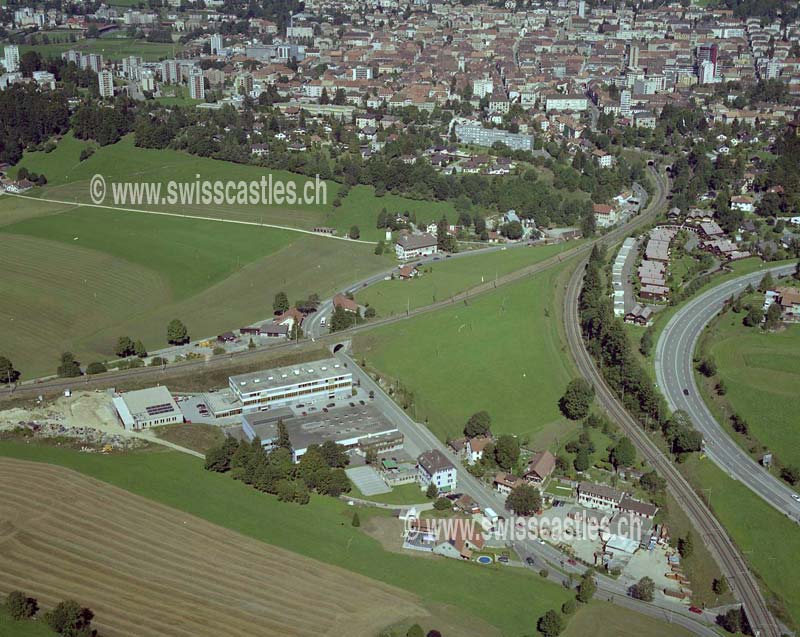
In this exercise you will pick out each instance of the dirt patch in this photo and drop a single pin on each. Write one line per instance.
(147, 569)
(388, 531)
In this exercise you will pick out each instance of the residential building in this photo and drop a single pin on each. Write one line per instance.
(216, 44)
(322, 379)
(146, 408)
(480, 136)
(475, 447)
(197, 87)
(540, 467)
(11, 58)
(599, 496)
(148, 80)
(559, 102)
(433, 467)
(505, 482)
(413, 246)
(106, 81)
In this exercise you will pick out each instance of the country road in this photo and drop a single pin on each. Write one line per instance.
(743, 584)
(675, 373)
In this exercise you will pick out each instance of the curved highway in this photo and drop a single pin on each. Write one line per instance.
(674, 374)
(743, 584)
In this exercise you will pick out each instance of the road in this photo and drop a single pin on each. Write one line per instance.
(419, 438)
(674, 374)
(743, 583)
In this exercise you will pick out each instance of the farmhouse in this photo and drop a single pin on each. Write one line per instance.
(351, 427)
(413, 246)
(145, 408)
(505, 482)
(322, 379)
(434, 468)
(540, 467)
(347, 304)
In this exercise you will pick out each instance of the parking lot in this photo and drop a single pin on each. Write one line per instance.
(194, 409)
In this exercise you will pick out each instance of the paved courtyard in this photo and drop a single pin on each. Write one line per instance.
(367, 480)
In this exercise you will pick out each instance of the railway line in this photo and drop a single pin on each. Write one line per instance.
(743, 583)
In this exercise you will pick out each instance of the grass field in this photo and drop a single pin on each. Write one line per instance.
(601, 619)
(147, 569)
(509, 599)
(762, 375)
(403, 494)
(448, 277)
(192, 435)
(502, 352)
(68, 180)
(112, 48)
(11, 628)
(768, 539)
(78, 279)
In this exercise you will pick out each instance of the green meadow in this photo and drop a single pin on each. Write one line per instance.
(507, 598)
(445, 278)
(110, 46)
(502, 351)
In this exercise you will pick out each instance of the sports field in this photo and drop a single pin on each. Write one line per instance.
(761, 373)
(78, 279)
(443, 279)
(146, 569)
(112, 48)
(508, 599)
(502, 351)
(68, 180)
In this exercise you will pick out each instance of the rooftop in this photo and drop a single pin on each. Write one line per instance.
(289, 375)
(144, 404)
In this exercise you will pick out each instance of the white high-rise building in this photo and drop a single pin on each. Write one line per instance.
(148, 80)
(132, 67)
(482, 87)
(581, 8)
(216, 44)
(170, 72)
(625, 103)
(106, 81)
(197, 88)
(707, 72)
(11, 58)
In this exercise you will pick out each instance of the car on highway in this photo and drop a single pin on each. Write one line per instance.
(529, 561)
(685, 392)
(572, 562)
(796, 497)
(331, 405)
(695, 610)
(541, 541)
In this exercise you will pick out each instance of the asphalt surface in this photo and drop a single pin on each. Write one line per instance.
(418, 437)
(674, 374)
(743, 584)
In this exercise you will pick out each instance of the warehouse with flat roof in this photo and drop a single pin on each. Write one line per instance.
(145, 408)
(350, 427)
(306, 382)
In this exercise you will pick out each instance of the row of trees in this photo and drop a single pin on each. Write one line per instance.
(68, 618)
(320, 470)
(553, 622)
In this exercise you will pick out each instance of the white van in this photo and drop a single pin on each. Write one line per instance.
(322, 321)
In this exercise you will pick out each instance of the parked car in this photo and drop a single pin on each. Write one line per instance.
(361, 402)
(503, 559)
(572, 562)
(331, 405)
(696, 610)
(530, 561)
(352, 404)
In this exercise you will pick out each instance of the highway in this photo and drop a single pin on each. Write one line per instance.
(674, 374)
(743, 584)
(419, 438)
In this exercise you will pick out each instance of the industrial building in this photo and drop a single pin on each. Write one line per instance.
(307, 382)
(357, 428)
(145, 408)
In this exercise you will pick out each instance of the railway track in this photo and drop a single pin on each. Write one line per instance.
(173, 369)
(743, 583)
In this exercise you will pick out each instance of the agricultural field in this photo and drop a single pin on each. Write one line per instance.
(110, 46)
(502, 351)
(146, 569)
(737, 507)
(448, 277)
(78, 279)
(499, 601)
(601, 619)
(12, 628)
(762, 378)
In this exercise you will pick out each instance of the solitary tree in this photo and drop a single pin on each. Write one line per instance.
(686, 545)
(355, 521)
(281, 303)
(20, 606)
(139, 349)
(69, 367)
(720, 585)
(524, 500)
(177, 334)
(644, 589)
(506, 452)
(479, 424)
(354, 233)
(431, 492)
(283, 441)
(7, 372)
(551, 624)
(586, 589)
(577, 399)
(70, 619)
